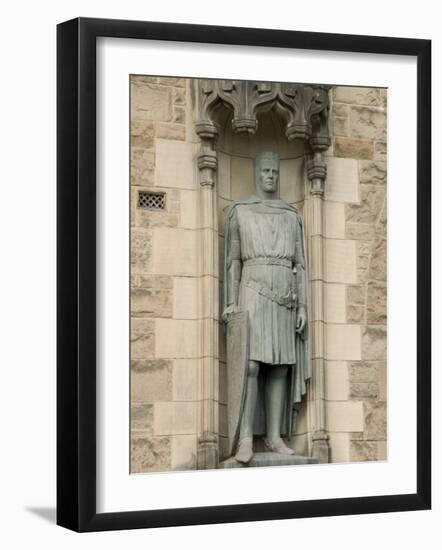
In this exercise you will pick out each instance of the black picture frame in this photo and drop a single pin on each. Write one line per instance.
(76, 274)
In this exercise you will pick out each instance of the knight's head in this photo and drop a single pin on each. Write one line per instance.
(267, 172)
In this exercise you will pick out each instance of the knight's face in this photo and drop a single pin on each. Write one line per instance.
(268, 176)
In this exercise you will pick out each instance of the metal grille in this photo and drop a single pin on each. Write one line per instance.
(151, 201)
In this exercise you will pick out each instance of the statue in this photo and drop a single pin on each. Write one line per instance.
(266, 282)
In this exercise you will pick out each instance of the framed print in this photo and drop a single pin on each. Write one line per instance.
(243, 274)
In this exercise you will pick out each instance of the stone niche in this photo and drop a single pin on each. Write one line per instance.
(235, 180)
(237, 120)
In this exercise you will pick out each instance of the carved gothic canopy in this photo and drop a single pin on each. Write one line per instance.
(304, 106)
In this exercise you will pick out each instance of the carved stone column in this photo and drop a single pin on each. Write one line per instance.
(207, 455)
(316, 173)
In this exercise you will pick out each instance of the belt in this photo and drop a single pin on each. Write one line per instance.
(268, 261)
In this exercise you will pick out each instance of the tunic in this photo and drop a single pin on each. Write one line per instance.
(267, 237)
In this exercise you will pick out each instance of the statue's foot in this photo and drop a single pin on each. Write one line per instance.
(277, 445)
(245, 450)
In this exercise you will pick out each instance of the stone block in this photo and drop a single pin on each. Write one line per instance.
(369, 209)
(334, 220)
(378, 266)
(140, 250)
(362, 390)
(142, 340)
(176, 164)
(357, 95)
(150, 302)
(373, 172)
(142, 167)
(343, 342)
(340, 109)
(363, 451)
(141, 417)
(292, 180)
(356, 294)
(375, 418)
(342, 183)
(242, 177)
(340, 126)
(186, 297)
(151, 380)
(223, 176)
(353, 148)
(360, 231)
(148, 219)
(177, 338)
(382, 450)
(149, 454)
(336, 381)
(355, 314)
(190, 211)
(368, 123)
(170, 131)
(335, 303)
(143, 79)
(382, 382)
(175, 251)
(142, 135)
(381, 227)
(374, 343)
(179, 115)
(339, 447)
(184, 449)
(145, 280)
(150, 102)
(344, 416)
(172, 81)
(380, 151)
(376, 303)
(363, 371)
(179, 96)
(185, 380)
(340, 261)
(175, 418)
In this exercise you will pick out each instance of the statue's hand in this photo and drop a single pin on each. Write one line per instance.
(301, 319)
(228, 312)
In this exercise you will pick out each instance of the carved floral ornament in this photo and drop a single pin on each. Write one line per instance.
(304, 106)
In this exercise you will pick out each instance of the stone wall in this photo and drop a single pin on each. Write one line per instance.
(356, 254)
(165, 357)
(171, 309)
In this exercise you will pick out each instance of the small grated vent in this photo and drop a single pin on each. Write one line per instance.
(151, 201)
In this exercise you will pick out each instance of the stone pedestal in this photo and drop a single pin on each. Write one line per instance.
(269, 459)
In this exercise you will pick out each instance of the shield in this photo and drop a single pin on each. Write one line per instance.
(237, 361)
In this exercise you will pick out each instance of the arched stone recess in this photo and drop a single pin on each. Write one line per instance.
(237, 120)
